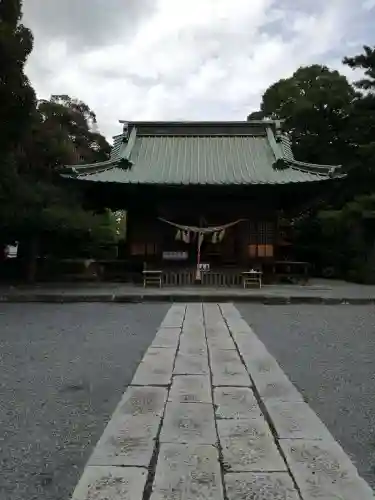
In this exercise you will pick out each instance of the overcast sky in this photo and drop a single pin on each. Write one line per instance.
(185, 59)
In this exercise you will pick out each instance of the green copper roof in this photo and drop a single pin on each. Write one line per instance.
(201, 153)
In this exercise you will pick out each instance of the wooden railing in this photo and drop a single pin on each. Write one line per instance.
(179, 278)
(216, 278)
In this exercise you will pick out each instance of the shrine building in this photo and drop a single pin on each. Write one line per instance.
(204, 200)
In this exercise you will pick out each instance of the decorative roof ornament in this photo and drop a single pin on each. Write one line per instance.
(278, 130)
(125, 132)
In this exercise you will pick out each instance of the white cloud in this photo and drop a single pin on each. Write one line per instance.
(193, 59)
(369, 4)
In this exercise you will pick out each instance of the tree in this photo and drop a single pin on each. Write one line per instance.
(333, 122)
(79, 122)
(364, 62)
(64, 131)
(35, 139)
(363, 116)
(314, 104)
(60, 134)
(256, 115)
(17, 102)
(17, 98)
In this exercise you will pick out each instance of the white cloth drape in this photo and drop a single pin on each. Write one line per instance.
(184, 232)
(202, 230)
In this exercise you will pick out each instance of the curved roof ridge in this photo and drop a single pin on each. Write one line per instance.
(97, 170)
(120, 156)
(315, 168)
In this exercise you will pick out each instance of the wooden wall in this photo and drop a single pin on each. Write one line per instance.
(250, 241)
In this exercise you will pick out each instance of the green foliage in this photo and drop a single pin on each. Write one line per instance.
(341, 241)
(62, 133)
(333, 122)
(314, 104)
(362, 120)
(17, 98)
(364, 62)
(256, 115)
(79, 124)
(36, 139)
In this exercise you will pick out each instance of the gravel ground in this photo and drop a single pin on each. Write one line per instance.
(63, 369)
(329, 354)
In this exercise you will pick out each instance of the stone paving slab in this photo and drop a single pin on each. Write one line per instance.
(190, 348)
(142, 401)
(212, 313)
(261, 362)
(191, 364)
(229, 311)
(191, 389)
(193, 323)
(193, 343)
(249, 344)
(296, 420)
(174, 317)
(278, 389)
(260, 486)
(227, 369)
(191, 423)
(216, 329)
(156, 367)
(222, 356)
(128, 441)
(167, 337)
(235, 403)
(213, 319)
(221, 343)
(111, 483)
(196, 332)
(323, 471)
(248, 445)
(194, 316)
(239, 325)
(270, 380)
(187, 472)
(230, 374)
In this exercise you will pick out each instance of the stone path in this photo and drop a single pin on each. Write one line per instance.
(210, 415)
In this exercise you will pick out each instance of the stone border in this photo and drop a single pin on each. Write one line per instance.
(182, 298)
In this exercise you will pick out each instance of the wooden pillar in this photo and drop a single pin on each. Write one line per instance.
(129, 234)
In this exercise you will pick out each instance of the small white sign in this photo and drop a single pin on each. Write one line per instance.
(11, 251)
(175, 255)
(204, 266)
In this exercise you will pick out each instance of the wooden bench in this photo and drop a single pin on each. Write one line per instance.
(152, 277)
(250, 278)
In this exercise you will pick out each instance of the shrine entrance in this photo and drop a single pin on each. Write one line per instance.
(209, 246)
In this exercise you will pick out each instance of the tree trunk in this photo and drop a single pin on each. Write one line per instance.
(32, 260)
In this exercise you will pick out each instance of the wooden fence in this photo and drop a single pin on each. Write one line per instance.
(220, 278)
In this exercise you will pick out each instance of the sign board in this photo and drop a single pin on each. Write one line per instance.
(175, 255)
(204, 266)
(11, 251)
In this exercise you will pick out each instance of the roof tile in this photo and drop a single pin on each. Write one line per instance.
(206, 159)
